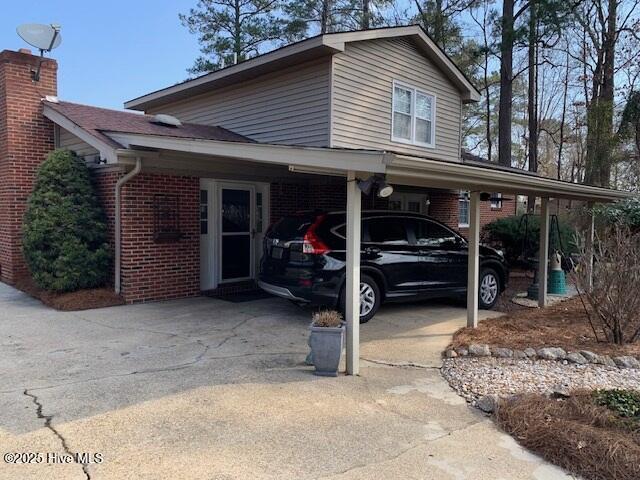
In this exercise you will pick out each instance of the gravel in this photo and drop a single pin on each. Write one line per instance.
(474, 377)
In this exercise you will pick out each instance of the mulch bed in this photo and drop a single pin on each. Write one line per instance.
(563, 325)
(71, 301)
(518, 282)
(574, 433)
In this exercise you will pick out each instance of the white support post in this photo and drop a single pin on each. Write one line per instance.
(352, 286)
(473, 265)
(543, 260)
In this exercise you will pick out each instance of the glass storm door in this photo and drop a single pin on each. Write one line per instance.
(236, 245)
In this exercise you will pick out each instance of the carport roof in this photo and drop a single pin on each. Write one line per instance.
(399, 168)
(117, 133)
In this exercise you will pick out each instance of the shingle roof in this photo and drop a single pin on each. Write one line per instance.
(96, 121)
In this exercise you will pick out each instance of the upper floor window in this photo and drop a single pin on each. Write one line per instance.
(413, 118)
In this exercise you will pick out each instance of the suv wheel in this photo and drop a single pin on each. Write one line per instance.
(489, 289)
(370, 298)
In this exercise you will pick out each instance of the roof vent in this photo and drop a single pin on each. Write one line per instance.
(166, 120)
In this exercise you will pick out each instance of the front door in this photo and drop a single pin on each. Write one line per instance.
(237, 229)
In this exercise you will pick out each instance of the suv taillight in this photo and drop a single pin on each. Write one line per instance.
(311, 243)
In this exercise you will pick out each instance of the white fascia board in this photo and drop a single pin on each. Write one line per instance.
(310, 157)
(106, 151)
(459, 175)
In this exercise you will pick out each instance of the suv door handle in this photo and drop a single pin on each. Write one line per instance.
(372, 250)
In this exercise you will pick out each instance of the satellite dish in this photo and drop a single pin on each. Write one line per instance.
(44, 37)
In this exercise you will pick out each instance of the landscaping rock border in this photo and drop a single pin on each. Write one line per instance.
(582, 357)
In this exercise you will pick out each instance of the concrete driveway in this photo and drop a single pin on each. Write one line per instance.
(208, 389)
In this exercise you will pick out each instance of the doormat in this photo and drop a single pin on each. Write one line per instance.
(242, 297)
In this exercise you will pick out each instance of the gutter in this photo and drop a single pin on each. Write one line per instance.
(118, 221)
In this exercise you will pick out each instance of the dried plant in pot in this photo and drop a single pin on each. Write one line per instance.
(327, 330)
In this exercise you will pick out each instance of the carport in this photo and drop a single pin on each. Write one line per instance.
(145, 152)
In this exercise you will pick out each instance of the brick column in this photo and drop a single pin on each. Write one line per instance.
(26, 137)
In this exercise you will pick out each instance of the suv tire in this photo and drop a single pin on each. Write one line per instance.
(370, 298)
(488, 288)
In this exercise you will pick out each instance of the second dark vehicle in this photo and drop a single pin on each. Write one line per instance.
(403, 256)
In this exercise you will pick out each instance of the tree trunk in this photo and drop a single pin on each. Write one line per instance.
(608, 93)
(237, 32)
(438, 25)
(563, 118)
(365, 23)
(600, 110)
(532, 96)
(324, 16)
(506, 85)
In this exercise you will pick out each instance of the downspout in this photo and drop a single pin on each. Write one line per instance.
(118, 221)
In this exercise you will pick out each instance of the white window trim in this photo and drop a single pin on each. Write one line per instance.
(497, 204)
(414, 91)
(467, 199)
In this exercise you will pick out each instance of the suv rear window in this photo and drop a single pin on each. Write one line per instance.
(292, 227)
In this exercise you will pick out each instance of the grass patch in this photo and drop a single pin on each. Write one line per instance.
(592, 434)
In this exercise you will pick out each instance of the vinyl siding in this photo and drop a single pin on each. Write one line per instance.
(363, 78)
(69, 141)
(288, 107)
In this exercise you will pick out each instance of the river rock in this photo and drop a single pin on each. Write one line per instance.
(502, 352)
(488, 403)
(575, 357)
(479, 350)
(552, 353)
(589, 356)
(626, 362)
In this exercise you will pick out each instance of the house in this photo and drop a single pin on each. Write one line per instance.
(190, 186)
(388, 90)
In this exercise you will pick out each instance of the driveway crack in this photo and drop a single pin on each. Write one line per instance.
(401, 364)
(47, 423)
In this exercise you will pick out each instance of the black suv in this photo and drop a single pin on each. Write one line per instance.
(403, 256)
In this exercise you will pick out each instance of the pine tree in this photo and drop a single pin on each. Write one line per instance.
(230, 31)
(64, 232)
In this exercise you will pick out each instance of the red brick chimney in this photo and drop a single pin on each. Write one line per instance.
(26, 137)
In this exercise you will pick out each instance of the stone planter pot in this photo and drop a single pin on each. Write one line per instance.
(326, 349)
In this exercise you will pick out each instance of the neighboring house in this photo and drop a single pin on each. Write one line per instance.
(193, 218)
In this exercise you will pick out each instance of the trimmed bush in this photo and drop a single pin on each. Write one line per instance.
(509, 235)
(64, 233)
(625, 212)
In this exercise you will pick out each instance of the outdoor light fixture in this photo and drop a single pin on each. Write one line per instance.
(384, 190)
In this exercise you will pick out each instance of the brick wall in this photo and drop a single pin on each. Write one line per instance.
(26, 137)
(104, 182)
(151, 270)
(288, 198)
(444, 207)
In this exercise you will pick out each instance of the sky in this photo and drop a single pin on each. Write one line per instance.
(111, 50)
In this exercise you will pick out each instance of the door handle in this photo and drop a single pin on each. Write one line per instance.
(372, 250)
